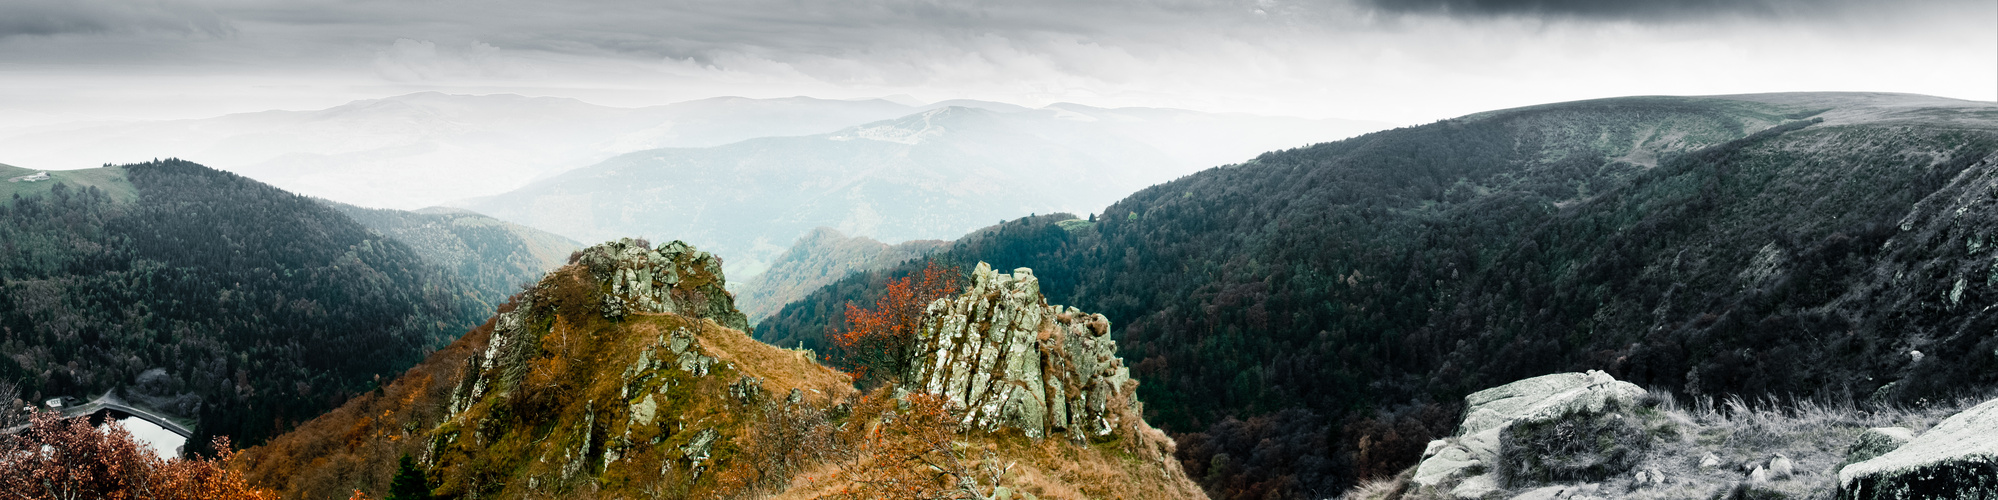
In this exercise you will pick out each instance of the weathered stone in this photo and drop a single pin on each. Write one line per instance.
(1781, 467)
(1544, 493)
(747, 390)
(1476, 487)
(1011, 360)
(698, 447)
(1876, 442)
(643, 412)
(1448, 462)
(1543, 398)
(658, 281)
(695, 363)
(1537, 399)
(1958, 458)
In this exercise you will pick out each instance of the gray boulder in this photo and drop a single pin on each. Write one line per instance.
(1956, 459)
(1491, 411)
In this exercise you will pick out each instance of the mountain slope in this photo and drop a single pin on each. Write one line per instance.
(817, 259)
(263, 307)
(493, 257)
(935, 174)
(624, 375)
(1351, 292)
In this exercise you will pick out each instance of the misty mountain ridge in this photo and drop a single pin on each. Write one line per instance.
(428, 148)
(930, 175)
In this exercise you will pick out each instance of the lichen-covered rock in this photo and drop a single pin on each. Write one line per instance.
(1534, 400)
(1544, 397)
(1012, 360)
(1875, 442)
(673, 278)
(1958, 458)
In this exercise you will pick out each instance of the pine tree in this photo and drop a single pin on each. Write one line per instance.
(409, 483)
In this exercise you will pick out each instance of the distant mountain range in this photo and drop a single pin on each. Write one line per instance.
(424, 149)
(931, 175)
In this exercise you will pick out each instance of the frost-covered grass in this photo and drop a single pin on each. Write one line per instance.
(1740, 435)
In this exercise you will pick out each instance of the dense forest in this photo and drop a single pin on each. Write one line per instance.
(1314, 316)
(261, 308)
(492, 257)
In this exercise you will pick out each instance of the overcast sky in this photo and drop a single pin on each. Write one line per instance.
(1403, 61)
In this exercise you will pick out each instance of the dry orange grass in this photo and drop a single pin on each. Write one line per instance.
(357, 444)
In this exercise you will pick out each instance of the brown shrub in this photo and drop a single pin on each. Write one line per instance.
(68, 458)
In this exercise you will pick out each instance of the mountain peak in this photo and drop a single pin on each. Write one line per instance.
(674, 278)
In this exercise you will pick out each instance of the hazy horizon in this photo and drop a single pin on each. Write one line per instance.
(1398, 61)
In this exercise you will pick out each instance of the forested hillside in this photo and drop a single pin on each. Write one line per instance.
(1315, 315)
(817, 259)
(493, 257)
(264, 308)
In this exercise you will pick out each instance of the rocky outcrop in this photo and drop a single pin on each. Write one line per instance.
(1958, 458)
(673, 278)
(1014, 361)
(1474, 451)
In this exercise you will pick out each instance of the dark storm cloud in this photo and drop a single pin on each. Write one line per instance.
(85, 17)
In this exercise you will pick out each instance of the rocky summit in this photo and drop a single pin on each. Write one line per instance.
(626, 374)
(674, 278)
(1014, 361)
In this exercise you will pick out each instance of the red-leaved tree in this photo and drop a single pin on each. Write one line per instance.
(875, 343)
(65, 459)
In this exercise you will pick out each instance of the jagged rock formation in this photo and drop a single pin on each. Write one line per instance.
(618, 376)
(1958, 458)
(1014, 361)
(674, 278)
(1491, 412)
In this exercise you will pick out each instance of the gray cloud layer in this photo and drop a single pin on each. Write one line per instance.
(1312, 56)
(101, 17)
(1635, 10)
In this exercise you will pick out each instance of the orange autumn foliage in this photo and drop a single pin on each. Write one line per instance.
(68, 458)
(874, 345)
(915, 453)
